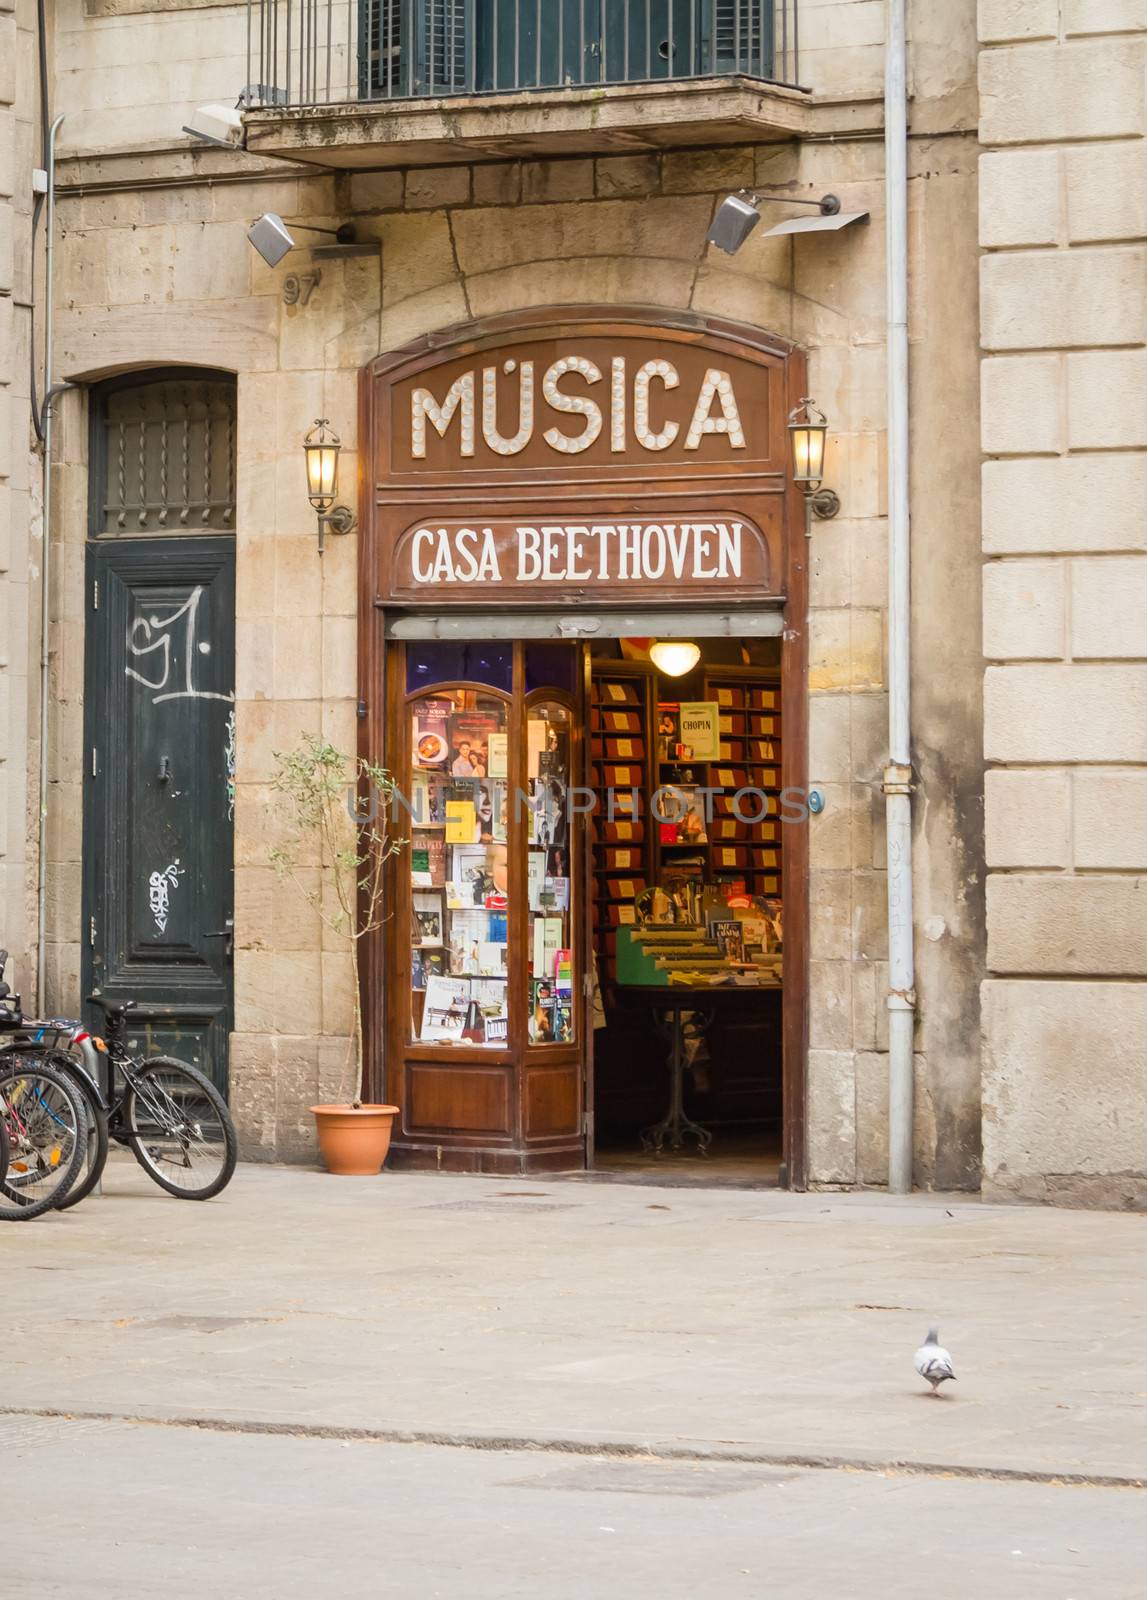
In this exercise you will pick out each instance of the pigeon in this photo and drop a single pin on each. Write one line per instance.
(933, 1362)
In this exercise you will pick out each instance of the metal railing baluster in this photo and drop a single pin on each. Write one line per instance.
(400, 48)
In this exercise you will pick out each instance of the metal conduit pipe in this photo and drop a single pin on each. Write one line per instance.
(46, 579)
(898, 773)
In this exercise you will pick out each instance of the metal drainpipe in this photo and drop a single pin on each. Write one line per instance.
(898, 773)
(46, 581)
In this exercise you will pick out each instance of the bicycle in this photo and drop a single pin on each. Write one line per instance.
(43, 1120)
(166, 1112)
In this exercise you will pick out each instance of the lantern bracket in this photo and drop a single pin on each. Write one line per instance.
(825, 504)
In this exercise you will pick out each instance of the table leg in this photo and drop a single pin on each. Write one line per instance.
(674, 1125)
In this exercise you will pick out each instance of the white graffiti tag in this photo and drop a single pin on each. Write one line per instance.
(152, 641)
(159, 887)
(229, 761)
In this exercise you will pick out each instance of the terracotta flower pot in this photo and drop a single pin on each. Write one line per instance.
(353, 1140)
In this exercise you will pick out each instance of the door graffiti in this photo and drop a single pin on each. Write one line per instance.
(161, 643)
(161, 788)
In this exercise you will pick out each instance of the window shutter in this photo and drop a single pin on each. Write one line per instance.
(381, 59)
(445, 31)
(742, 37)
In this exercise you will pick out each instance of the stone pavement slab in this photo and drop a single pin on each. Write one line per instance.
(115, 1511)
(767, 1325)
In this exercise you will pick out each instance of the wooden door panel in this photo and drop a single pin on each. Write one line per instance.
(160, 787)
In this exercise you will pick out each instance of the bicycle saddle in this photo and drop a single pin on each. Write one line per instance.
(112, 1009)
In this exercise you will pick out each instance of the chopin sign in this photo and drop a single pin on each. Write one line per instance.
(607, 460)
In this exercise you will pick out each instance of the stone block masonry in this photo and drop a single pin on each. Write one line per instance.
(155, 269)
(1064, 384)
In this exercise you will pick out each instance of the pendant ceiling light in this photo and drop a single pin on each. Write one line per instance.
(674, 657)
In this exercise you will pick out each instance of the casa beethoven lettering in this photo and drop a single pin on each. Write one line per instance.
(581, 557)
(627, 463)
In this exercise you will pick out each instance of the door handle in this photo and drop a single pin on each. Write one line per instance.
(228, 933)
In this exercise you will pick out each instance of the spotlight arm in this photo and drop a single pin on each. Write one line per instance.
(828, 205)
(344, 233)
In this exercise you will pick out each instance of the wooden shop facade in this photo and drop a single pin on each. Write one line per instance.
(583, 609)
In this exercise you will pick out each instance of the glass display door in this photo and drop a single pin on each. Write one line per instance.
(484, 995)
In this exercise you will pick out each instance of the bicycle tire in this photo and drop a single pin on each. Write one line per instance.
(96, 1158)
(153, 1068)
(3, 1151)
(15, 1206)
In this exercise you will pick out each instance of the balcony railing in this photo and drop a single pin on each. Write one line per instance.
(320, 52)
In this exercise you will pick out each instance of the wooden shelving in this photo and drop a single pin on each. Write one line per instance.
(621, 756)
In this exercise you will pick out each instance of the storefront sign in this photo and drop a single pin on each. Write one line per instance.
(567, 387)
(691, 556)
(568, 456)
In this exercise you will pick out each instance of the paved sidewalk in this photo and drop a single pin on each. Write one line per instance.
(758, 1324)
(131, 1511)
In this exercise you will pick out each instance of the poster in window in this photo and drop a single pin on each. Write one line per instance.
(428, 917)
(426, 963)
(444, 1013)
(470, 743)
(499, 751)
(431, 733)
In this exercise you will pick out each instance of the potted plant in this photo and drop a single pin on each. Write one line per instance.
(338, 805)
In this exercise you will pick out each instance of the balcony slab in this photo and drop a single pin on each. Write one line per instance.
(598, 120)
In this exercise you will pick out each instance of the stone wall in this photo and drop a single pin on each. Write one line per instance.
(19, 525)
(1063, 222)
(155, 265)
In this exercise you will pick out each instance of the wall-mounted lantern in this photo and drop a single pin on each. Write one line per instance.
(808, 429)
(321, 448)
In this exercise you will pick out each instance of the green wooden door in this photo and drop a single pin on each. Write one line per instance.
(160, 767)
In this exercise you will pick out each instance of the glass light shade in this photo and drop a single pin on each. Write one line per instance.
(321, 447)
(674, 657)
(807, 434)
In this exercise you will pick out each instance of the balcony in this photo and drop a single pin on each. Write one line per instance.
(389, 83)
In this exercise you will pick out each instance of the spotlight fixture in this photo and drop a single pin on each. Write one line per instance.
(738, 214)
(270, 236)
(215, 124)
(321, 448)
(674, 657)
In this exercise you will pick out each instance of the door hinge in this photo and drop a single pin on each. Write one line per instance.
(95, 763)
(362, 711)
(92, 931)
(95, 594)
(587, 985)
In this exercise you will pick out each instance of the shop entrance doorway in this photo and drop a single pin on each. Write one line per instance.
(688, 910)
(545, 490)
(595, 896)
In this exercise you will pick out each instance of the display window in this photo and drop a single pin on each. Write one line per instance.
(458, 791)
(489, 877)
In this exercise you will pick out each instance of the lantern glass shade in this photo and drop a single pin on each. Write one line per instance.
(807, 434)
(321, 447)
(674, 657)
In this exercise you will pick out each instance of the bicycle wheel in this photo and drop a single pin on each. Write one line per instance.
(3, 1151)
(179, 1128)
(96, 1156)
(45, 1122)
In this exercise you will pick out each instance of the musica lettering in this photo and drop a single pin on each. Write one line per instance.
(638, 405)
